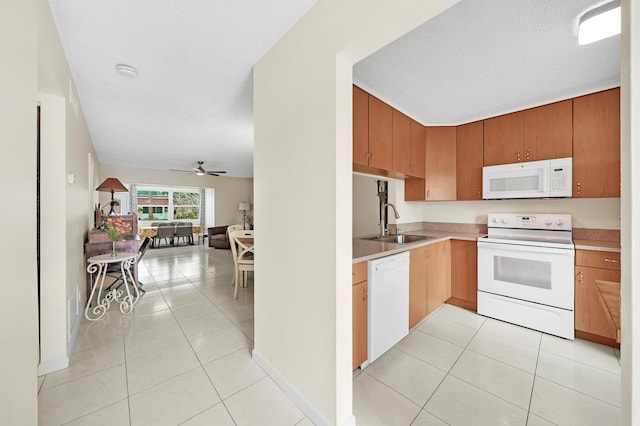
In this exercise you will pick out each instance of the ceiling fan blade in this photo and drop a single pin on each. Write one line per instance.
(176, 170)
(216, 171)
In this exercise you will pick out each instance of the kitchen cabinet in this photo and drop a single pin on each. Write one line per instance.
(380, 134)
(438, 274)
(401, 143)
(464, 274)
(417, 285)
(534, 134)
(360, 126)
(359, 312)
(440, 163)
(469, 159)
(418, 132)
(596, 145)
(594, 319)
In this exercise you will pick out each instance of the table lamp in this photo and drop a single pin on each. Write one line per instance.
(112, 185)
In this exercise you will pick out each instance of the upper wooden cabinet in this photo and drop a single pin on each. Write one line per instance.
(418, 132)
(469, 159)
(401, 143)
(548, 131)
(503, 139)
(534, 134)
(380, 134)
(360, 126)
(440, 163)
(596, 145)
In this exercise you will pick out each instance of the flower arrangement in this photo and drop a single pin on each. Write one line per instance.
(116, 227)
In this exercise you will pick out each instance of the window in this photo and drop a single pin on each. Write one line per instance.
(168, 204)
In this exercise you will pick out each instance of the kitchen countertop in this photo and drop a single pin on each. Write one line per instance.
(364, 250)
(597, 245)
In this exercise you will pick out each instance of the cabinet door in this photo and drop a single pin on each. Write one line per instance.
(464, 274)
(380, 134)
(359, 312)
(417, 285)
(469, 159)
(440, 163)
(503, 139)
(360, 126)
(548, 131)
(596, 145)
(401, 143)
(438, 275)
(418, 147)
(590, 315)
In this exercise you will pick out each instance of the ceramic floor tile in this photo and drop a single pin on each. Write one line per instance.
(534, 420)
(174, 401)
(459, 404)
(233, 372)
(263, 403)
(425, 418)
(112, 415)
(221, 342)
(450, 331)
(238, 313)
(563, 406)
(194, 310)
(79, 397)
(84, 363)
(182, 295)
(167, 362)
(92, 334)
(208, 323)
(414, 379)
(376, 404)
(247, 328)
(216, 415)
(146, 345)
(305, 422)
(512, 332)
(580, 377)
(433, 350)
(515, 354)
(500, 379)
(459, 315)
(589, 353)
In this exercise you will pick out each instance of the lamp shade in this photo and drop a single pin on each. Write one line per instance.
(112, 185)
(243, 206)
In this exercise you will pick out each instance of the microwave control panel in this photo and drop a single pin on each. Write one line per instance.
(559, 179)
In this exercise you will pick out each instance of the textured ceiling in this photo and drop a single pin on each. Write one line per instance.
(482, 58)
(192, 99)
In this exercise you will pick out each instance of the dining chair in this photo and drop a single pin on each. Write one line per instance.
(114, 271)
(165, 231)
(184, 230)
(242, 252)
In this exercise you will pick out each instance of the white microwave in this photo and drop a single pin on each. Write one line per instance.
(533, 179)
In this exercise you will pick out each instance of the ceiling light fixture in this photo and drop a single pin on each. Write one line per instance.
(127, 70)
(599, 23)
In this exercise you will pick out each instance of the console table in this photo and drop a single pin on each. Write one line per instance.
(98, 265)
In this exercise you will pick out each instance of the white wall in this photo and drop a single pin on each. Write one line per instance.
(18, 316)
(229, 192)
(303, 184)
(630, 156)
(365, 214)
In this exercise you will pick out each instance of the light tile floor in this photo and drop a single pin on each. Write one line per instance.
(184, 357)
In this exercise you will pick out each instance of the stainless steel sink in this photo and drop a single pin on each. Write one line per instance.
(400, 238)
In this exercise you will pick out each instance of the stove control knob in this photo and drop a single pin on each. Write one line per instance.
(496, 220)
(559, 222)
(548, 222)
(505, 220)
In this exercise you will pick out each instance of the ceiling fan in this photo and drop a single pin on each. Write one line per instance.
(200, 171)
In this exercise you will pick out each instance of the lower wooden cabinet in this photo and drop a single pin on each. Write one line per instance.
(359, 312)
(596, 311)
(429, 279)
(464, 274)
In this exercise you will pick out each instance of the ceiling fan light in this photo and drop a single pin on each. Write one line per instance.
(599, 23)
(200, 172)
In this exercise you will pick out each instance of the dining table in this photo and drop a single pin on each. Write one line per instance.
(152, 231)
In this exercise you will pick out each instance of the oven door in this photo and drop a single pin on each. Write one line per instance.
(535, 274)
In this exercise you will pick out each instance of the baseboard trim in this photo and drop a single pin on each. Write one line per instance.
(52, 365)
(309, 409)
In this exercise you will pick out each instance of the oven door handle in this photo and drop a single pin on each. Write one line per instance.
(524, 248)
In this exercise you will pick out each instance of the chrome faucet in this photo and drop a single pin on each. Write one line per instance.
(383, 216)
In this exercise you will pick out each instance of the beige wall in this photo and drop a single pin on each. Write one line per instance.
(18, 316)
(229, 192)
(366, 215)
(302, 105)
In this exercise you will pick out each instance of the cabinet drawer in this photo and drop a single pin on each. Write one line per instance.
(359, 272)
(598, 259)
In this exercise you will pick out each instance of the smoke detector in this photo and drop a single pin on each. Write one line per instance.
(127, 70)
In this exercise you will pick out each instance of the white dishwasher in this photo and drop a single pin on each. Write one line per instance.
(388, 304)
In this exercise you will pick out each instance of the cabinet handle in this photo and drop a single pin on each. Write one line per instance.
(518, 155)
(479, 194)
(364, 293)
(580, 277)
(371, 157)
(528, 155)
(428, 193)
(611, 260)
(579, 187)
(353, 274)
